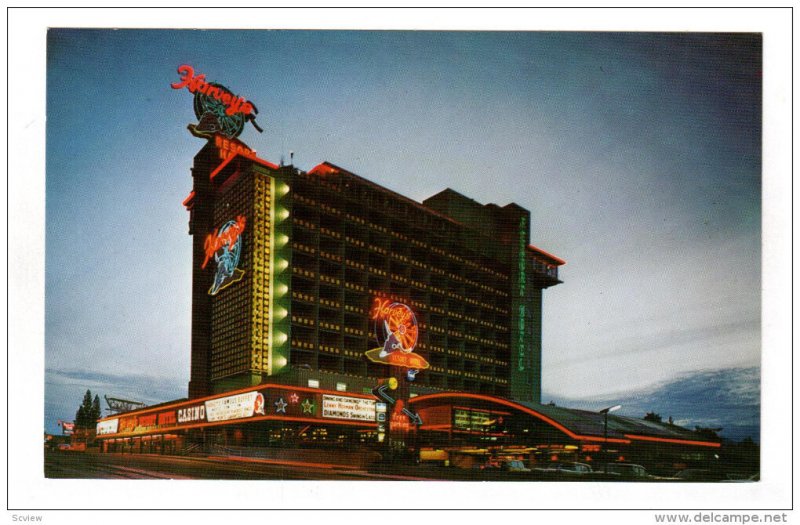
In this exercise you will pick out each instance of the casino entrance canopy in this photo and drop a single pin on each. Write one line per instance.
(467, 413)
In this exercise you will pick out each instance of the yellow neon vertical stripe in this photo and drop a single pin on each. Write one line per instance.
(271, 285)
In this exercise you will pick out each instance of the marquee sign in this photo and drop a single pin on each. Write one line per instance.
(344, 407)
(108, 426)
(217, 109)
(396, 330)
(225, 246)
(235, 407)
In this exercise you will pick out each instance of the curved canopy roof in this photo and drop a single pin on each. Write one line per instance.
(578, 424)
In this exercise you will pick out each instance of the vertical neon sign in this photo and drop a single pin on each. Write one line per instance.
(225, 246)
(523, 225)
(271, 278)
(272, 274)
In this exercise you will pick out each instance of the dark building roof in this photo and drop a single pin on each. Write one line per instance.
(586, 422)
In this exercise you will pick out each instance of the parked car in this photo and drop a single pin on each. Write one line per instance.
(515, 465)
(733, 478)
(699, 474)
(574, 468)
(490, 464)
(567, 468)
(627, 470)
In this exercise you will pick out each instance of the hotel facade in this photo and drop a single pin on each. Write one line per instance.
(328, 310)
(322, 249)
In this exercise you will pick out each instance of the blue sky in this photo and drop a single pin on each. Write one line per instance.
(638, 156)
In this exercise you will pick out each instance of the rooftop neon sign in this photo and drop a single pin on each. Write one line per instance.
(198, 84)
(215, 106)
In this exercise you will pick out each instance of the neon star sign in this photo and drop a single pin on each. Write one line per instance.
(397, 331)
(308, 406)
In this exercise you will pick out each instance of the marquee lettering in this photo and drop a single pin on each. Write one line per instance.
(195, 413)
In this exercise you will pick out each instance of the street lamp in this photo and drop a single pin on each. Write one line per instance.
(605, 412)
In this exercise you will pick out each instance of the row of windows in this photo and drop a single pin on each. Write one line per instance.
(399, 235)
(413, 261)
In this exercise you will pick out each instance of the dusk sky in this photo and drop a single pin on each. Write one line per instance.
(638, 155)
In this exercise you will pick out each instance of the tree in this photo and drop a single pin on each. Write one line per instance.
(711, 433)
(652, 416)
(96, 412)
(80, 418)
(88, 413)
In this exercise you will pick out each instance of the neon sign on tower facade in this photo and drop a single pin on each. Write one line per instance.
(397, 331)
(225, 246)
(523, 226)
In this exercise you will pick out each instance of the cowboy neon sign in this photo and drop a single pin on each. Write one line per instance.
(233, 103)
(225, 246)
(396, 330)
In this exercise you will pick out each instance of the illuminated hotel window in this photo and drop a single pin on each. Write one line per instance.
(313, 383)
(341, 387)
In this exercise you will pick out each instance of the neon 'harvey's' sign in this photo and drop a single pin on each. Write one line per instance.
(217, 109)
(225, 246)
(396, 330)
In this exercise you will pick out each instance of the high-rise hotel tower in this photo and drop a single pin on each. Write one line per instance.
(288, 264)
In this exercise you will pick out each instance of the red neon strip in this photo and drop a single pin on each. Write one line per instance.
(479, 433)
(435, 427)
(188, 199)
(229, 159)
(521, 408)
(322, 169)
(432, 429)
(557, 260)
(264, 162)
(678, 441)
(219, 168)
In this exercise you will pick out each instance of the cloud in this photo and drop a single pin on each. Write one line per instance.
(64, 390)
(728, 398)
(671, 338)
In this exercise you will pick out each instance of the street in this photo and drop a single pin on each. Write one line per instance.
(91, 465)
